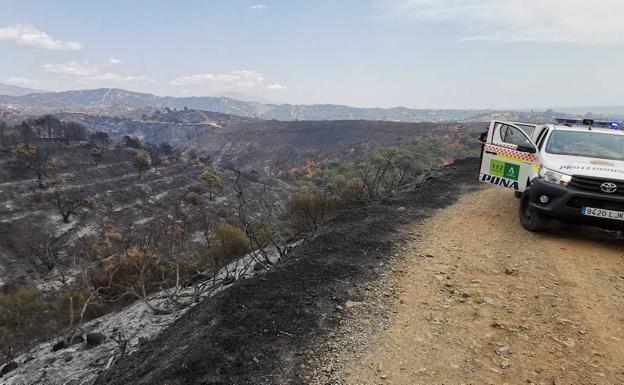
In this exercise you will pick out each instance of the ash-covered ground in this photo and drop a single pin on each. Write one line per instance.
(270, 329)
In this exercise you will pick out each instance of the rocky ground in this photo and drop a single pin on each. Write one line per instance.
(475, 299)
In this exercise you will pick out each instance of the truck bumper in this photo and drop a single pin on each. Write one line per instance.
(566, 203)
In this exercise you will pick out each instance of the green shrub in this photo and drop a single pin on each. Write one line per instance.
(97, 154)
(210, 180)
(68, 307)
(192, 197)
(20, 308)
(228, 243)
(23, 319)
(136, 273)
(308, 208)
(141, 162)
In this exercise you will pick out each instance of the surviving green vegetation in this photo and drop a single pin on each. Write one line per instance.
(379, 173)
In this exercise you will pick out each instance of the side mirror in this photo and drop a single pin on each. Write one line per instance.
(529, 149)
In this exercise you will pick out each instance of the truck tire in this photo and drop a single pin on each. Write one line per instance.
(529, 218)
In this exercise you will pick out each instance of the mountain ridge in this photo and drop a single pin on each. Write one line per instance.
(103, 98)
(11, 90)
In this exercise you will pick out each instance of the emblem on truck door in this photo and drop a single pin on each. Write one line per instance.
(608, 187)
(504, 169)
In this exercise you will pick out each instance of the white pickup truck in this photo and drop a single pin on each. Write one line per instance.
(572, 171)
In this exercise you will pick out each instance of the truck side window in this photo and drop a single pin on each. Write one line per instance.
(512, 135)
(496, 132)
(542, 138)
(529, 130)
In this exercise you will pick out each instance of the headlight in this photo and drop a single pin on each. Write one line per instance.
(554, 176)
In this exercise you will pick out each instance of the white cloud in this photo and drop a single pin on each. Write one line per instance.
(114, 77)
(25, 34)
(239, 78)
(276, 87)
(24, 82)
(87, 72)
(257, 7)
(72, 68)
(545, 21)
(113, 61)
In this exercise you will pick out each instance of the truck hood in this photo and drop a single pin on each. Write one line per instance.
(579, 165)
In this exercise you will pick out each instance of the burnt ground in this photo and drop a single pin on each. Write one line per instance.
(267, 329)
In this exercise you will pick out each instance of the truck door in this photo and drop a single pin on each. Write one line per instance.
(528, 128)
(509, 157)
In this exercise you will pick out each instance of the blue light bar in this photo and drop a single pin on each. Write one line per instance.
(588, 122)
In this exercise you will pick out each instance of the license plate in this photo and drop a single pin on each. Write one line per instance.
(602, 213)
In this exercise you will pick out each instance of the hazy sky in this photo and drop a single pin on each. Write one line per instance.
(415, 53)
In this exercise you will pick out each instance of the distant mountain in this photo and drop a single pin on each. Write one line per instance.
(106, 99)
(6, 89)
(102, 99)
(243, 97)
(341, 112)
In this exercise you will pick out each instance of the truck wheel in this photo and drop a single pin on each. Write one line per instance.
(529, 218)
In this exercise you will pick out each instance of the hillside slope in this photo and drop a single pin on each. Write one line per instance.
(9, 90)
(270, 329)
(232, 141)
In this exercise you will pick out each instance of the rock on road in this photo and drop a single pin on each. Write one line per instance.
(479, 300)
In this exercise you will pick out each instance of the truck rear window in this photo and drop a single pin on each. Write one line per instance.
(588, 144)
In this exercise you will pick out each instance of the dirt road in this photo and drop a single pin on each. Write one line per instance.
(478, 300)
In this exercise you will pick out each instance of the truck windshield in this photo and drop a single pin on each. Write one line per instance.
(588, 144)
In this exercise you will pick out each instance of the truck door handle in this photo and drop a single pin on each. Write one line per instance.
(490, 152)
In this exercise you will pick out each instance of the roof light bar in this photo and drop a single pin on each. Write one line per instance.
(588, 122)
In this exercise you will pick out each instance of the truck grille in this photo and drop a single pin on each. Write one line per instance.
(596, 203)
(593, 184)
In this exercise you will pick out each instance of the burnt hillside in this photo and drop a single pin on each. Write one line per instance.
(99, 215)
(264, 150)
(269, 145)
(271, 329)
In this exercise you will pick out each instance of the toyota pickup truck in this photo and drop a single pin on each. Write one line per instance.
(571, 171)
